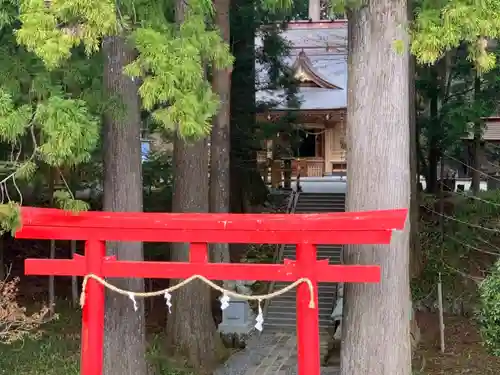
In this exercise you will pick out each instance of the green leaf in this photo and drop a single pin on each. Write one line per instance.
(84, 22)
(26, 170)
(66, 201)
(70, 131)
(442, 27)
(171, 65)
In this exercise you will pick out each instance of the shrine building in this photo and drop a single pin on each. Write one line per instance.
(318, 60)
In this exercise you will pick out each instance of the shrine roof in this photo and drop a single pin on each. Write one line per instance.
(310, 98)
(319, 57)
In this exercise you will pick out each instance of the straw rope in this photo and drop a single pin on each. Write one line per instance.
(229, 293)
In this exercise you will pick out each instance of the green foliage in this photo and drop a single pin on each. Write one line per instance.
(158, 184)
(171, 64)
(69, 131)
(157, 171)
(398, 46)
(340, 6)
(65, 200)
(10, 217)
(26, 170)
(48, 114)
(444, 25)
(275, 6)
(489, 310)
(260, 254)
(51, 95)
(52, 28)
(449, 87)
(13, 121)
(171, 61)
(465, 247)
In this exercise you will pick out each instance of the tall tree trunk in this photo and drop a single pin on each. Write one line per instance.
(476, 145)
(247, 186)
(220, 182)
(124, 327)
(191, 331)
(376, 325)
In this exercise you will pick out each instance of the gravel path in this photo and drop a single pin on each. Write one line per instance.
(267, 354)
(242, 362)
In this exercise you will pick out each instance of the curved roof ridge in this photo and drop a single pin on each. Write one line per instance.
(303, 62)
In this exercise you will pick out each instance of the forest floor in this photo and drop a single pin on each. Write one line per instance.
(57, 351)
(464, 353)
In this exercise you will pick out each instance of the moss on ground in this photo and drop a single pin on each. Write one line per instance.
(57, 351)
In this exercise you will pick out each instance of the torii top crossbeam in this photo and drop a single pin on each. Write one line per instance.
(336, 228)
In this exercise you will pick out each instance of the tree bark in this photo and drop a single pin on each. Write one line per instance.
(124, 327)
(376, 325)
(220, 182)
(191, 331)
(243, 158)
(247, 185)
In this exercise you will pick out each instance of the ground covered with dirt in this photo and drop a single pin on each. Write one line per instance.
(464, 353)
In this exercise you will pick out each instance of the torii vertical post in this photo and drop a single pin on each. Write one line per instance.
(307, 318)
(93, 311)
(306, 231)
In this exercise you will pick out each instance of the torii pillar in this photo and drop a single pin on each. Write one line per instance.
(315, 10)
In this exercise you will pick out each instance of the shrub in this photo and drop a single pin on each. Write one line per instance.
(489, 310)
(15, 322)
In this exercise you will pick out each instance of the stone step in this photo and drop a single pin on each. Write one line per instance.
(281, 312)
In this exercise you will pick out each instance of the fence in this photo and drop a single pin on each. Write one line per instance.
(306, 231)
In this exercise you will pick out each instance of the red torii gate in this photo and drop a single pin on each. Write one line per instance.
(304, 230)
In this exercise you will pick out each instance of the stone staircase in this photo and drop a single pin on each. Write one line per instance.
(281, 311)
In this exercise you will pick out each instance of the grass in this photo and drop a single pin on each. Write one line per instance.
(57, 351)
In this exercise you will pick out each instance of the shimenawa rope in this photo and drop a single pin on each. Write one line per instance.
(225, 292)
